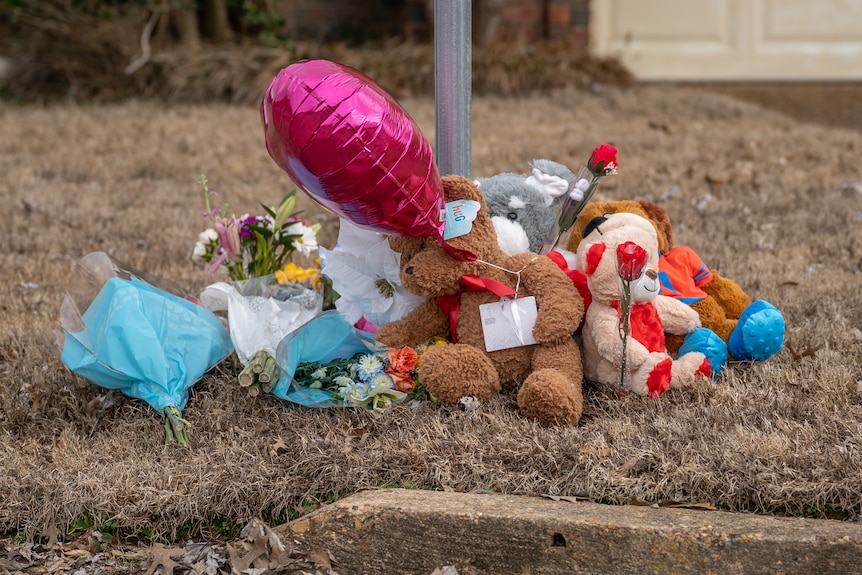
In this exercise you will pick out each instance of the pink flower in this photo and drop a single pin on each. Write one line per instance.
(402, 382)
(229, 242)
(228, 236)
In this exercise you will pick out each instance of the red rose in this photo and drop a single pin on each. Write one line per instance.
(631, 259)
(603, 161)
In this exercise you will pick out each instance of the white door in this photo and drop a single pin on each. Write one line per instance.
(731, 39)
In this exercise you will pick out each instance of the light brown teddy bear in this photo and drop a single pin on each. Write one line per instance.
(550, 370)
(649, 368)
(751, 330)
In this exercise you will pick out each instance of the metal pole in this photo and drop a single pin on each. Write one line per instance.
(452, 85)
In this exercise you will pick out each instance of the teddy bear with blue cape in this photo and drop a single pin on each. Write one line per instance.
(121, 331)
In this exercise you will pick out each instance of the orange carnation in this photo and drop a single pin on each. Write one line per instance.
(402, 360)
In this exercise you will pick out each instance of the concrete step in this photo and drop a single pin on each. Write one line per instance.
(400, 531)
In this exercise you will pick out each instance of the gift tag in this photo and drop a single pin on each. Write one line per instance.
(508, 322)
(458, 217)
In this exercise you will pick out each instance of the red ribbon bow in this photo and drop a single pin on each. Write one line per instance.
(450, 304)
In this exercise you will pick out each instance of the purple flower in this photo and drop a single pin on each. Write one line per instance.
(246, 223)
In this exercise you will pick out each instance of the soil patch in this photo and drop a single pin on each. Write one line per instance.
(838, 105)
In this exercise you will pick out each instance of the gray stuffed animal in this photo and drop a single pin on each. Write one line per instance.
(523, 207)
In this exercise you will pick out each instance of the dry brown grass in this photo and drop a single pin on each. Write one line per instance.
(772, 203)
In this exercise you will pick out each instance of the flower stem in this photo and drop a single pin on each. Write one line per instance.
(175, 427)
(625, 328)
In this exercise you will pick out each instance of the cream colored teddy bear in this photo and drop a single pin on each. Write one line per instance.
(649, 369)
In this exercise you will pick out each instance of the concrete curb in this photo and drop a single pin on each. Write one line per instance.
(398, 531)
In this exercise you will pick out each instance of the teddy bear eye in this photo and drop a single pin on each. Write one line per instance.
(512, 216)
(422, 245)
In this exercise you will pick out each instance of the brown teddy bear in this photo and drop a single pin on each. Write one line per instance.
(751, 330)
(648, 368)
(550, 369)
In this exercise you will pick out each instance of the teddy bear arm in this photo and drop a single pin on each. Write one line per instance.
(604, 328)
(423, 323)
(676, 317)
(560, 306)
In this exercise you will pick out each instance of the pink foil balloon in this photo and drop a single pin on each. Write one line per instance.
(348, 144)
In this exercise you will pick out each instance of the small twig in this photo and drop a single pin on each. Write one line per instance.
(145, 45)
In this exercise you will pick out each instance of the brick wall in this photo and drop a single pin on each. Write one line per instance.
(519, 21)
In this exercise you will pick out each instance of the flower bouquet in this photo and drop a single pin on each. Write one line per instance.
(603, 162)
(269, 295)
(330, 363)
(143, 336)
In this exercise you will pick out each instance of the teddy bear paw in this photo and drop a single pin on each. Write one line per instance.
(759, 334)
(689, 368)
(451, 372)
(709, 344)
(551, 398)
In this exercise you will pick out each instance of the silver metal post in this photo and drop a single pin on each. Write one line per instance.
(453, 86)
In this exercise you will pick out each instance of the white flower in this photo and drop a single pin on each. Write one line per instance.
(381, 379)
(355, 393)
(369, 365)
(366, 274)
(207, 236)
(199, 252)
(205, 245)
(318, 373)
(343, 381)
(383, 397)
(307, 242)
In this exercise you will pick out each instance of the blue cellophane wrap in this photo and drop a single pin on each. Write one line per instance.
(145, 342)
(324, 338)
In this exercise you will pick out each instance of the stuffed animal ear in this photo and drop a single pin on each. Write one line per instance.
(552, 179)
(549, 186)
(482, 238)
(460, 188)
(590, 212)
(658, 216)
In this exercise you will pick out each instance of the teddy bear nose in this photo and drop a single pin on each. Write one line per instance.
(651, 274)
(408, 270)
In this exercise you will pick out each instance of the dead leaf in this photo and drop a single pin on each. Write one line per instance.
(53, 534)
(627, 467)
(809, 350)
(241, 564)
(203, 559)
(276, 446)
(162, 557)
(321, 558)
(349, 430)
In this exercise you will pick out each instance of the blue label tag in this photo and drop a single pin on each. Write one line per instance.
(458, 217)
